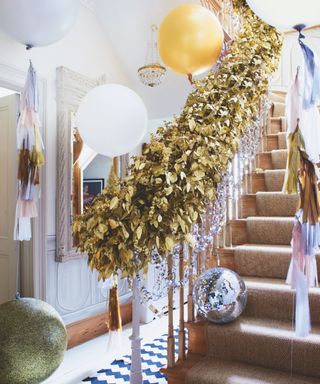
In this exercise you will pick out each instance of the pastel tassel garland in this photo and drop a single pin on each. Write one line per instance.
(301, 176)
(31, 158)
(302, 272)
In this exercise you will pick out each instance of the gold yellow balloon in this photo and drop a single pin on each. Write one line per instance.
(190, 39)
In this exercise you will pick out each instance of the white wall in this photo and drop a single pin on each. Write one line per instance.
(71, 287)
(292, 57)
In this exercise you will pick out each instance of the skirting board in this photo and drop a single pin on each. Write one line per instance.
(87, 329)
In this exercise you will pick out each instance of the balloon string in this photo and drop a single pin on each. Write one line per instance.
(190, 78)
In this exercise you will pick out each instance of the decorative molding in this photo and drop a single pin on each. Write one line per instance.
(74, 290)
(71, 88)
(14, 78)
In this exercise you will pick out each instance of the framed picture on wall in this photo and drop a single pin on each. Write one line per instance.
(90, 189)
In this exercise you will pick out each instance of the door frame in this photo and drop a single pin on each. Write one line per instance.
(14, 79)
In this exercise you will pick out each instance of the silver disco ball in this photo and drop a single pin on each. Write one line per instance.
(220, 295)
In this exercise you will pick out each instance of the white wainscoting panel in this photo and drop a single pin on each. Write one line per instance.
(73, 289)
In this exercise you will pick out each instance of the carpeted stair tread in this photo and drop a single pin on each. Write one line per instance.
(276, 204)
(282, 140)
(278, 97)
(278, 109)
(274, 299)
(261, 347)
(265, 342)
(276, 141)
(269, 230)
(279, 158)
(262, 260)
(274, 179)
(215, 371)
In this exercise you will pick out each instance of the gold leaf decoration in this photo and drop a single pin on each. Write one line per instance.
(169, 185)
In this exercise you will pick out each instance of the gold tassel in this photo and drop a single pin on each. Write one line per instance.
(309, 192)
(114, 316)
(295, 143)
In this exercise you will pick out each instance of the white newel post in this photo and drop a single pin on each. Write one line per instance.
(136, 369)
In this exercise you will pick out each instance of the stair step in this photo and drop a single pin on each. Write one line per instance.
(258, 182)
(278, 109)
(268, 204)
(277, 124)
(272, 142)
(267, 343)
(279, 158)
(274, 299)
(278, 96)
(248, 205)
(274, 179)
(262, 260)
(276, 141)
(269, 230)
(276, 204)
(282, 140)
(215, 371)
(264, 160)
(276, 159)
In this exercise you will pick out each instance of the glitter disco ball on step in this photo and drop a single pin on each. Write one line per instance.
(220, 295)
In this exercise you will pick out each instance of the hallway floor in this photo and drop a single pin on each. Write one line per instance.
(84, 360)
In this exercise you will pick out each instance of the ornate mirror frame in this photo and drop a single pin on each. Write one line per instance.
(71, 88)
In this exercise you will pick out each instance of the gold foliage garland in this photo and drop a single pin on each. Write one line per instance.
(170, 184)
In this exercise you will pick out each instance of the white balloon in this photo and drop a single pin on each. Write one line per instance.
(37, 22)
(285, 14)
(112, 120)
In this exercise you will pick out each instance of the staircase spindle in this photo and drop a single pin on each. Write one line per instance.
(228, 222)
(170, 345)
(190, 300)
(182, 335)
(217, 249)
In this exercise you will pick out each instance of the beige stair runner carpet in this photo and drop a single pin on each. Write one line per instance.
(261, 347)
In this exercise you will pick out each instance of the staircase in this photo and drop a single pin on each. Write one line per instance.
(260, 347)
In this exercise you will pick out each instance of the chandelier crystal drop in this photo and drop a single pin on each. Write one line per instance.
(152, 73)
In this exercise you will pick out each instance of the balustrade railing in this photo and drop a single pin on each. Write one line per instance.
(215, 232)
(181, 268)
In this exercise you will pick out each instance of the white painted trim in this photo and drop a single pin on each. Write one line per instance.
(14, 78)
(71, 88)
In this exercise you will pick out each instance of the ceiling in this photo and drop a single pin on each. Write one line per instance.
(127, 25)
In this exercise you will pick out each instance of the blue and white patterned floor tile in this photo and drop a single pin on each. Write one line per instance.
(153, 357)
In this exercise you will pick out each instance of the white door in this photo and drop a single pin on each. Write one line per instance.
(8, 183)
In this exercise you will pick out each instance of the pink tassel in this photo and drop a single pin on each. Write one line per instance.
(302, 274)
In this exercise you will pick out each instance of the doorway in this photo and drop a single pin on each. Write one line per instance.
(9, 249)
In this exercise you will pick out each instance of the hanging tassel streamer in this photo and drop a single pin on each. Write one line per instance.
(31, 158)
(114, 321)
(303, 272)
(311, 94)
(114, 316)
(295, 142)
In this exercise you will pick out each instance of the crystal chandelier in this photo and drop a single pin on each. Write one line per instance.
(152, 72)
